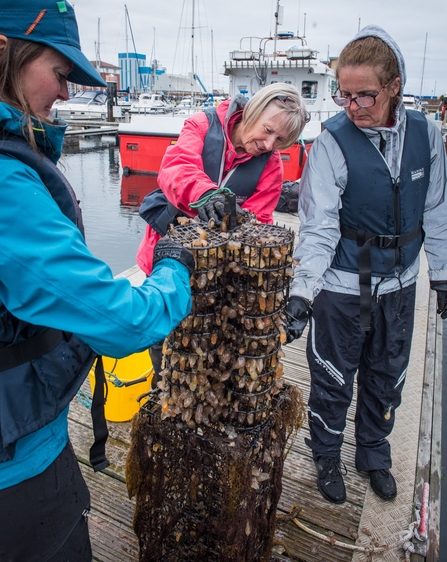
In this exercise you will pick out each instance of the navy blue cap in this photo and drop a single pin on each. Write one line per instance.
(51, 23)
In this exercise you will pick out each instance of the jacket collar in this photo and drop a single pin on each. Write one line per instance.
(49, 138)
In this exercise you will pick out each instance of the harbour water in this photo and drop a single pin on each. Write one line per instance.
(109, 200)
(114, 230)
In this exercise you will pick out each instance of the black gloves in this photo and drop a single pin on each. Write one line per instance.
(213, 209)
(441, 290)
(168, 248)
(298, 311)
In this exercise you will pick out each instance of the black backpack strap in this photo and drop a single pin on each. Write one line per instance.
(98, 458)
(23, 352)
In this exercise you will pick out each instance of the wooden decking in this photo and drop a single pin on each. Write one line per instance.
(364, 524)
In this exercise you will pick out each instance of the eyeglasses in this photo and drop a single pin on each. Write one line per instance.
(293, 104)
(362, 101)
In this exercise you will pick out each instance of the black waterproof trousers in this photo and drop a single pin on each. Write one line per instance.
(44, 519)
(336, 350)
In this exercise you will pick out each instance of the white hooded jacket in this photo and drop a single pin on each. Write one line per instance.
(322, 186)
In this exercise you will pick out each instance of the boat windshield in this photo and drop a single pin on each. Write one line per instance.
(89, 96)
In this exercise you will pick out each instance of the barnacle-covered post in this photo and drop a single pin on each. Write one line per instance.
(207, 451)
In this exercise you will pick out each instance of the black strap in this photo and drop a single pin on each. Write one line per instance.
(382, 145)
(98, 458)
(365, 240)
(381, 240)
(33, 348)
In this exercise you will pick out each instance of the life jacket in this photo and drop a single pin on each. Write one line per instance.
(41, 369)
(159, 213)
(381, 216)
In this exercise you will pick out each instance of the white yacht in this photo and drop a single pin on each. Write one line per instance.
(150, 103)
(88, 104)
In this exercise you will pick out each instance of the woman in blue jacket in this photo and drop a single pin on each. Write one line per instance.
(60, 307)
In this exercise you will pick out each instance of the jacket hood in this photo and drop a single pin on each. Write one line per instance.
(376, 31)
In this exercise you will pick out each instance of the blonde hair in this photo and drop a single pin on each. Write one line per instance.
(296, 115)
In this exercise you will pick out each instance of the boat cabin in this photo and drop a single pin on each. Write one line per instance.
(250, 69)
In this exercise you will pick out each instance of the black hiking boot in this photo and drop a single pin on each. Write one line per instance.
(330, 479)
(383, 483)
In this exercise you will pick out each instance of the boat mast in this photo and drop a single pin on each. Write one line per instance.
(127, 50)
(192, 54)
(278, 21)
(212, 70)
(137, 60)
(423, 67)
(98, 56)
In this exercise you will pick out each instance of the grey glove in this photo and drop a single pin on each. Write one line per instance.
(441, 291)
(298, 311)
(168, 248)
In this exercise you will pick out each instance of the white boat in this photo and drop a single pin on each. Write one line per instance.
(88, 104)
(284, 57)
(185, 102)
(151, 103)
(250, 69)
(411, 102)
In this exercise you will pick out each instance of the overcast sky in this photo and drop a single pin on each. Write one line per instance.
(163, 29)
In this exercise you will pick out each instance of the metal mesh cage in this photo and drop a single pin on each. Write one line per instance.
(239, 288)
(206, 496)
(207, 450)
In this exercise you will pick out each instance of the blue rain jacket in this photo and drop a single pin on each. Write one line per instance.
(48, 277)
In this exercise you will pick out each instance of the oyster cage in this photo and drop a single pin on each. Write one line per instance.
(207, 245)
(206, 496)
(261, 246)
(222, 363)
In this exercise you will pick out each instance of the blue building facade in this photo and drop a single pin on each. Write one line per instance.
(131, 65)
(135, 74)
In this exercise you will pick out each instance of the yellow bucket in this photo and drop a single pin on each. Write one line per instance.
(127, 379)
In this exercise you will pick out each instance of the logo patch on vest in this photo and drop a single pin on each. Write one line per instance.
(417, 174)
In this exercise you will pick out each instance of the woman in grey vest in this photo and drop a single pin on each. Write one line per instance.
(373, 186)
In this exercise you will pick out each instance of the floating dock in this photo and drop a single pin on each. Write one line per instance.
(310, 529)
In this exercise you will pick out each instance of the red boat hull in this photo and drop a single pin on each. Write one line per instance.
(142, 154)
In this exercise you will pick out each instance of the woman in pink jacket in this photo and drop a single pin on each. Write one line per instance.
(234, 145)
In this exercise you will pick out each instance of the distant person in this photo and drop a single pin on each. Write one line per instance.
(234, 145)
(60, 307)
(373, 190)
(443, 109)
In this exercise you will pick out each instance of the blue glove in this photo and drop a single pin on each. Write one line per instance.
(298, 311)
(168, 248)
